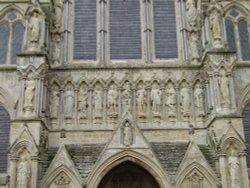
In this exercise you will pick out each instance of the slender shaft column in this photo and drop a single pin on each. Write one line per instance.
(223, 168)
(34, 175)
(12, 172)
(245, 180)
(103, 31)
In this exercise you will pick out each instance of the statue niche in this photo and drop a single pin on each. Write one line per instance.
(127, 134)
(29, 96)
(82, 103)
(141, 99)
(69, 98)
(98, 103)
(126, 98)
(185, 101)
(23, 173)
(171, 101)
(199, 101)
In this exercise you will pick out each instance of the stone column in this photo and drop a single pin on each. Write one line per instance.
(223, 172)
(34, 171)
(12, 171)
(245, 180)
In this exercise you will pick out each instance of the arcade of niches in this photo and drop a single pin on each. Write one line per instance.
(124, 93)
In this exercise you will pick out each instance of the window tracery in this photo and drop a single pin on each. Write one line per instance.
(11, 37)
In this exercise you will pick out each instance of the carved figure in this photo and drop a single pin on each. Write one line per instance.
(193, 17)
(126, 98)
(58, 10)
(82, 103)
(234, 168)
(185, 99)
(198, 100)
(141, 100)
(56, 54)
(69, 103)
(23, 173)
(171, 100)
(156, 99)
(224, 89)
(54, 103)
(194, 47)
(216, 25)
(112, 99)
(29, 94)
(98, 102)
(34, 29)
(127, 134)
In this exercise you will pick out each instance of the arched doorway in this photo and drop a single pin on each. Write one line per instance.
(128, 175)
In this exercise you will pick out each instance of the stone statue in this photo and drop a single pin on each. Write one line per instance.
(216, 23)
(54, 103)
(194, 47)
(126, 98)
(112, 99)
(34, 30)
(82, 103)
(193, 17)
(198, 100)
(127, 135)
(29, 94)
(185, 99)
(56, 46)
(98, 102)
(171, 100)
(234, 168)
(156, 99)
(23, 173)
(69, 103)
(58, 14)
(224, 89)
(141, 100)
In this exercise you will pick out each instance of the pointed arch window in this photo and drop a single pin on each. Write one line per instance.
(246, 123)
(237, 34)
(4, 138)
(11, 37)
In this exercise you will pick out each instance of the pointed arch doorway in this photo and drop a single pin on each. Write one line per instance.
(128, 175)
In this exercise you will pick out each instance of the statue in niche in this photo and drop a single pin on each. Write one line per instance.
(215, 20)
(98, 102)
(56, 46)
(23, 173)
(58, 13)
(127, 134)
(171, 100)
(194, 47)
(112, 100)
(193, 17)
(141, 101)
(234, 168)
(185, 99)
(69, 103)
(126, 97)
(29, 94)
(34, 29)
(82, 103)
(156, 99)
(54, 103)
(224, 89)
(198, 100)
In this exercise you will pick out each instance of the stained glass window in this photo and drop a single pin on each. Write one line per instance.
(17, 40)
(4, 39)
(244, 39)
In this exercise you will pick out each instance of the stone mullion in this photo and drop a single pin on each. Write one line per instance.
(192, 117)
(102, 31)
(223, 167)
(104, 108)
(243, 167)
(13, 171)
(9, 52)
(61, 109)
(134, 112)
(37, 96)
(66, 29)
(34, 171)
(163, 106)
(149, 115)
(184, 29)
(207, 32)
(207, 98)
(90, 105)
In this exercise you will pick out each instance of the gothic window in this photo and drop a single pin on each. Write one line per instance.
(246, 123)
(237, 34)
(4, 138)
(119, 30)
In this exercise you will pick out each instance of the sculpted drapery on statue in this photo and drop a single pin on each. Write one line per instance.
(185, 99)
(29, 95)
(58, 14)
(98, 102)
(198, 100)
(171, 100)
(127, 134)
(69, 102)
(112, 100)
(54, 103)
(82, 102)
(126, 98)
(193, 16)
(224, 89)
(234, 168)
(23, 173)
(141, 101)
(156, 99)
(34, 30)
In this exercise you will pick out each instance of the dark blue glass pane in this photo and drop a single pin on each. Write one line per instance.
(85, 30)
(4, 138)
(246, 123)
(125, 29)
(230, 35)
(4, 38)
(165, 29)
(244, 39)
(18, 34)
(234, 13)
(12, 16)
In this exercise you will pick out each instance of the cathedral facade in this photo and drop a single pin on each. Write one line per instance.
(124, 93)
